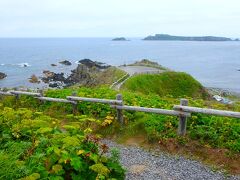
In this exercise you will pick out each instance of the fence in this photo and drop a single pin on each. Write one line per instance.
(182, 111)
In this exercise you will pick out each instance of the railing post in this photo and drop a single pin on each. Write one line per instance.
(74, 106)
(41, 95)
(41, 92)
(119, 111)
(182, 126)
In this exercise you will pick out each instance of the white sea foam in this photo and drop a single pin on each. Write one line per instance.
(23, 64)
(19, 65)
(77, 62)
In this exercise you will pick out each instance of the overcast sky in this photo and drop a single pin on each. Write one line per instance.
(112, 18)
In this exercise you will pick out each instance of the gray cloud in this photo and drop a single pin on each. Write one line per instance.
(104, 18)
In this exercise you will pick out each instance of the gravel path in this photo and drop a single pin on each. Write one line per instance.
(142, 165)
(131, 70)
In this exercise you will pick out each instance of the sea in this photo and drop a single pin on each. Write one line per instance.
(214, 64)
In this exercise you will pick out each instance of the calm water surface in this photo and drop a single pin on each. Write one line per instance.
(214, 64)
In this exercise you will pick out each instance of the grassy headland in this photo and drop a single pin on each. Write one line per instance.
(213, 139)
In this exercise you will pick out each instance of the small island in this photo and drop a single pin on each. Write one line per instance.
(167, 37)
(120, 39)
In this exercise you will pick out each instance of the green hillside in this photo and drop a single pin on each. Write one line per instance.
(176, 84)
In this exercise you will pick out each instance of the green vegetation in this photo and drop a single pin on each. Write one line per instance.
(37, 146)
(176, 84)
(46, 140)
(208, 130)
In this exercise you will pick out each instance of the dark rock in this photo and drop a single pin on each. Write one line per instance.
(85, 74)
(2, 75)
(238, 70)
(65, 62)
(34, 79)
(80, 75)
(58, 77)
(51, 76)
(53, 65)
(55, 85)
(48, 74)
(90, 64)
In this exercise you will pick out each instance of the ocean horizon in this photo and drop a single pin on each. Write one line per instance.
(214, 64)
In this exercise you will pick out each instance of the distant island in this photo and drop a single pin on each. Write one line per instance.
(120, 39)
(167, 37)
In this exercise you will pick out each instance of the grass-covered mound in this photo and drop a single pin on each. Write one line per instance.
(176, 84)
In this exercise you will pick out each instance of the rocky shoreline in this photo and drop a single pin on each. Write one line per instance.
(222, 92)
(85, 74)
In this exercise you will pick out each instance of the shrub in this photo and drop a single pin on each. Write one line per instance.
(35, 146)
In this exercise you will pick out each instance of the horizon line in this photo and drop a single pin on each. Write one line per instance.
(45, 37)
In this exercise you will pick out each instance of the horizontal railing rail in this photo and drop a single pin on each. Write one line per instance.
(152, 110)
(56, 100)
(182, 111)
(207, 111)
(94, 100)
(25, 93)
(6, 93)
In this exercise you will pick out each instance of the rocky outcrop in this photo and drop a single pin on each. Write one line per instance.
(148, 63)
(34, 79)
(85, 74)
(53, 65)
(90, 64)
(53, 77)
(65, 62)
(2, 75)
(48, 74)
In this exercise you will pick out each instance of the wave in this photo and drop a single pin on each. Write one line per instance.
(25, 64)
